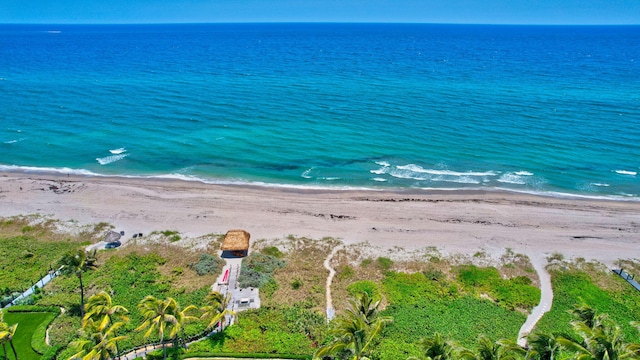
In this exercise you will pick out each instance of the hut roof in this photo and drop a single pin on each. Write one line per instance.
(112, 236)
(236, 240)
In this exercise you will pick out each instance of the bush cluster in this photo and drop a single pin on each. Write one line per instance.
(208, 264)
(257, 269)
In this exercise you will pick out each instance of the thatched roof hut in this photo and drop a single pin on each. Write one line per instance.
(236, 241)
(112, 236)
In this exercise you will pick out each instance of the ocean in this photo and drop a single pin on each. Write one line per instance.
(551, 110)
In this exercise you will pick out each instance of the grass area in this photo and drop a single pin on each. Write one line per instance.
(28, 323)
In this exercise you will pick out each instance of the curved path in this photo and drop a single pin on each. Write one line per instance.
(332, 272)
(546, 299)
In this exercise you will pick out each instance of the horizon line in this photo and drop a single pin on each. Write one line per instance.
(316, 22)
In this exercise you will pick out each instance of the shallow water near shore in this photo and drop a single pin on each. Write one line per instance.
(549, 109)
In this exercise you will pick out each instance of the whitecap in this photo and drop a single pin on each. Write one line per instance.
(111, 159)
(626, 172)
(523, 173)
(306, 173)
(419, 169)
(118, 151)
(600, 184)
(512, 178)
(63, 170)
(13, 141)
(379, 179)
(382, 170)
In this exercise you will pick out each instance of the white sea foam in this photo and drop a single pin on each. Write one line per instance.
(379, 179)
(384, 168)
(118, 151)
(306, 173)
(626, 172)
(13, 141)
(600, 184)
(33, 169)
(512, 178)
(111, 159)
(523, 173)
(419, 169)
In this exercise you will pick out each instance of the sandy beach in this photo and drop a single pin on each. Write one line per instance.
(452, 221)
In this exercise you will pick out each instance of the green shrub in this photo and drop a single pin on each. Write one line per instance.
(257, 269)
(272, 251)
(346, 272)
(208, 264)
(296, 284)
(385, 263)
(366, 262)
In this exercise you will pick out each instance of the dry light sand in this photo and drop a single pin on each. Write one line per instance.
(453, 222)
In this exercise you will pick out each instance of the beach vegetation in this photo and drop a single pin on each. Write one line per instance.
(272, 251)
(384, 263)
(460, 302)
(296, 284)
(366, 262)
(355, 332)
(257, 269)
(207, 265)
(601, 290)
(285, 330)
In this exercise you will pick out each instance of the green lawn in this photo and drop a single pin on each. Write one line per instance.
(27, 324)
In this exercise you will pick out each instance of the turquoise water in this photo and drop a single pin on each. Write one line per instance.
(546, 109)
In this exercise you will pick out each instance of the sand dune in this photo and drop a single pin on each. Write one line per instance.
(454, 222)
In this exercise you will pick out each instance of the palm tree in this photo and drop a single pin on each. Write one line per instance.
(497, 350)
(216, 308)
(601, 338)
(355, 331)
(182, 318)
(365, 306)
(436, 347)
(6, 335)
(77, 263)
(100, 342)
(542, 346)
(585, 314)
(100, 306)
(163, 317)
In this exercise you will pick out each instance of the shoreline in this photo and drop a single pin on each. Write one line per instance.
(67, 173)
(453, 221)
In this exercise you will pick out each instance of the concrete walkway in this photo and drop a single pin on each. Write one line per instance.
(39, 284)
(331, 311)
(546, 300)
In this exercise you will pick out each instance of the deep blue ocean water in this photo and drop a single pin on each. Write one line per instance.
(541, 109)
